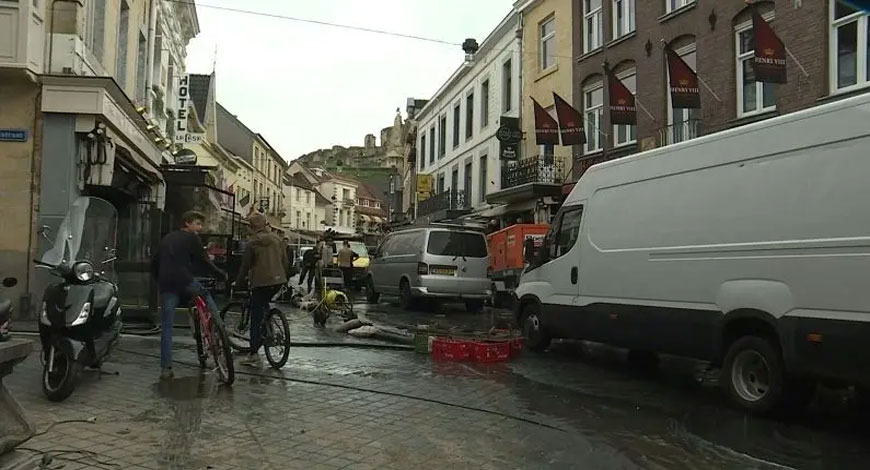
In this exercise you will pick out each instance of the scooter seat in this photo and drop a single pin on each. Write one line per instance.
(5, 308)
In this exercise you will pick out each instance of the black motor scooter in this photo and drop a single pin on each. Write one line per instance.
(6, 310)
(80, 319)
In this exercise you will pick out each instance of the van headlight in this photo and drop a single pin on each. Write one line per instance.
(83, 271)
(43, 315)
(83, 315)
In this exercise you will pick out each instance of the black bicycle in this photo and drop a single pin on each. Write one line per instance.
(236, 316)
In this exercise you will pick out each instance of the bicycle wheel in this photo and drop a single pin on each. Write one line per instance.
(197, 334)
(237, 321)
(276, 338)
(220, 351)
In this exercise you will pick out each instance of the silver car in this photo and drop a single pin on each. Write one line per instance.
(435, 262)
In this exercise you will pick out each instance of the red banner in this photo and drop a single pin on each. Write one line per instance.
(685, 92)
(769, 64)
(546, 128)
(622, 107)
(570, 122)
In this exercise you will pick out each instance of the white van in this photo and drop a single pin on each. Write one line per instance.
(749, 248)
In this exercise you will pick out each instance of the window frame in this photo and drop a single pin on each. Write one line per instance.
(423, 150)
(599, 115)
(680, 4)
(433, 145)
(484, 103)
(629, 17)
(741, 58)
(629, 128)
(597, 15)
(862, 61)
(469, 115)
(442, 136)
(546, 43)
(457, 123)
(482, 177)
(507, 85)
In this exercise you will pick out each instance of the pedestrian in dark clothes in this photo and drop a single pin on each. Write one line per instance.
(172, 266)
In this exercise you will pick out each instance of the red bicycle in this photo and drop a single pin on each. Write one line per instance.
(210, 334)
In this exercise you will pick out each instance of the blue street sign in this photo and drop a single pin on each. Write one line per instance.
(13, 135)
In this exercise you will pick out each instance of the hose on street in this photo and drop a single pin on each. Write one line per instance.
(366, 390)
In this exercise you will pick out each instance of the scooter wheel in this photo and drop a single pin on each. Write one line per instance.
(59, 382)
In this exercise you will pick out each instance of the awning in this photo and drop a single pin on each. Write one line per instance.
(365, 218)
(525, 192)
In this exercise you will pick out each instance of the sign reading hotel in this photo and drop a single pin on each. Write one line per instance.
(182, 135)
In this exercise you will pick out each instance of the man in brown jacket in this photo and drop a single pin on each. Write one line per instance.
(264, 266)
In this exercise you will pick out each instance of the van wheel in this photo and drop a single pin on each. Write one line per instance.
(536, 337)
(474, 306)
(406, 300)
(372, 296)
(753, 375)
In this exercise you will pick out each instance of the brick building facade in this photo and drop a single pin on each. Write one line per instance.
(828, 38)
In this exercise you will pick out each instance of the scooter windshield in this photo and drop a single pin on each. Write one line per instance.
(87, 233)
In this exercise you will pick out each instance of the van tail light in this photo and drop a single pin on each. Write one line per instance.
(422, 268)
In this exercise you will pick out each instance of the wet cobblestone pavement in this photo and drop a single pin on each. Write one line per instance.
(348, 407)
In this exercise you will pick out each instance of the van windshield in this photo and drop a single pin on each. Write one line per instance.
(467, 244)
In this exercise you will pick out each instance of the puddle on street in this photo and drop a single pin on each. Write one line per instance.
(191, 387)
(667, 418)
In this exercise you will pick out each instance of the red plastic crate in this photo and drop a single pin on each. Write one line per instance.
(491, 352)
(451, 350)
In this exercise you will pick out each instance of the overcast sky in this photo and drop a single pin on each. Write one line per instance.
(306, 86)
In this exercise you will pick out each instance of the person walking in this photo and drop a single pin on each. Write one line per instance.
(346, 257)
(264, 269)
(309, 258)
(172, 266)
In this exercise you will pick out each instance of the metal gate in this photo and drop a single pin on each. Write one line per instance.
(138, 237)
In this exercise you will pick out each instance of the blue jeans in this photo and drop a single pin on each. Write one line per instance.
(260, 298)
(171, 301)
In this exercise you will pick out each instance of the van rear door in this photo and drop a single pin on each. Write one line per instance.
(460, 254)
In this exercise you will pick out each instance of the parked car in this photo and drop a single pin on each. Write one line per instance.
(747, 248)
(432, 262)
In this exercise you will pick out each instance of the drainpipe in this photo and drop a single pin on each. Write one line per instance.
(149, 58)
(520, 32)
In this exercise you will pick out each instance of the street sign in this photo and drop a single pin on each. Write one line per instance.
(509, 135)
(13, 135)
(191, 138)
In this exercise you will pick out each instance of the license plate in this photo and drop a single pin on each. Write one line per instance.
(444, 271)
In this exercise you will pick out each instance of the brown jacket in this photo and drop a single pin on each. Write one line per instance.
(265, 261)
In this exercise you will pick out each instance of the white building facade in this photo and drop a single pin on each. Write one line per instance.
(456, 130)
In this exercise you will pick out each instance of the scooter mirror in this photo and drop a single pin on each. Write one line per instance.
(10, 282)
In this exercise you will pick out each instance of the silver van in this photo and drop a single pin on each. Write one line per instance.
(435, 262)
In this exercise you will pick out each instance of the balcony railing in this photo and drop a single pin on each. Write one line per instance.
(540, 169)
(448, 200)
(679, 132)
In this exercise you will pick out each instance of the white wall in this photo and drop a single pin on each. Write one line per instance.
(488, 64)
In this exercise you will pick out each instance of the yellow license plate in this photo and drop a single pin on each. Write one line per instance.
(444, 271)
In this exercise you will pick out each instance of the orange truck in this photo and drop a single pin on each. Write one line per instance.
(506, 260)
